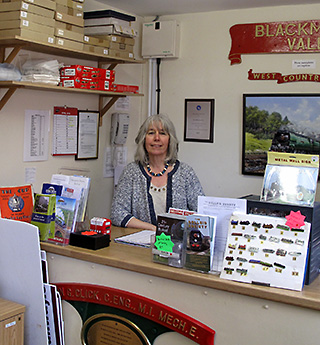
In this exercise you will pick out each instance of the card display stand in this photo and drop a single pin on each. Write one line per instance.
(312, 214)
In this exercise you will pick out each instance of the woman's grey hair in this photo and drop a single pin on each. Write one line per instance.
(141, 155)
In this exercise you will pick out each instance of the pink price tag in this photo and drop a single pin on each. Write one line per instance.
(295, 220)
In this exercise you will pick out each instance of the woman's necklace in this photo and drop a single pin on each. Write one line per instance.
(158, 174)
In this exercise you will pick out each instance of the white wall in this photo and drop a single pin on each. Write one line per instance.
(12, 171)
(202, 71)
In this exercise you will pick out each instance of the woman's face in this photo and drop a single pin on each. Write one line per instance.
(157, 140)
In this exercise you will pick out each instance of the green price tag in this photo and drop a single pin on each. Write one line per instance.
(164, 243)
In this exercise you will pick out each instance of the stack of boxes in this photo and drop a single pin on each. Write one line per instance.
(69, 29)
(112, 30)
(30, 19)
(57, 22)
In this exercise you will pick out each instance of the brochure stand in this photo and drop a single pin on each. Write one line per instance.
(21, 276)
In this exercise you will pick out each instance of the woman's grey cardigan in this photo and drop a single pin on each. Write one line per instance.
(132, 197)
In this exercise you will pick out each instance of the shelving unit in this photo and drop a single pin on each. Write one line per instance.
(17, 43)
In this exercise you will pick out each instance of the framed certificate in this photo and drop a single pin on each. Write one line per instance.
(198, 120)
(88, 134)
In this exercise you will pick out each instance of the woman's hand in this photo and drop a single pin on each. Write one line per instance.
(139, 224)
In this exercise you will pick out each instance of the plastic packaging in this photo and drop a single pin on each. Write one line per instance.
(41, 71)
(9, 72)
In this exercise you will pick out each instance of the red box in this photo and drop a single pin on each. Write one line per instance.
(126, 88)
(101, 84)
(87, 83)
(75, 82)
(80, 71)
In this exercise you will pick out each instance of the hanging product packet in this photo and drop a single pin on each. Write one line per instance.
(290, 178)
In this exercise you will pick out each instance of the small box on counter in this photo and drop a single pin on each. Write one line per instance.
(89, 239)
(100, 225)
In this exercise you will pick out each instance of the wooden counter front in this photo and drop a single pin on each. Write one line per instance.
(139, 260)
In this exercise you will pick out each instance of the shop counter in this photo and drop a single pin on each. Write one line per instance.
(231, 308)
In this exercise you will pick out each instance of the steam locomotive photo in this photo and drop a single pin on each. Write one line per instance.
(285, 140)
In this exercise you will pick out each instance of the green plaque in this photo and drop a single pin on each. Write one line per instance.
(110, 329)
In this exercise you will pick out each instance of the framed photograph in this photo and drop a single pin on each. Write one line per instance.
(198, 120)
(278, 122)
(88, 134)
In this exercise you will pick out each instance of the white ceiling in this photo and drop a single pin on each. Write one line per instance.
(164, 7)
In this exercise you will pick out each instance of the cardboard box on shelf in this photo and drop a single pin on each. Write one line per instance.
(66, 18)
(49, 4)
(24, 6)
(29, 34)
(110, 30)
(105, 21)
(126, 88)
(121, 54)
(96, 41)
(65, 43)
(95, 49)
(109, 14)
(70, 3)
(117, 39)
(69, 27)
(67, 34)
(69, 10)
(121, 46)
(16, 24)
(23, 15)
(122, 39)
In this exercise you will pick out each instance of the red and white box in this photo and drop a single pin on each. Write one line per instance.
(75, 82)
(126, 88)
(87, 72)
(101, 225)
(87, 83)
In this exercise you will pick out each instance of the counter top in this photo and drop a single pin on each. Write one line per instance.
(139, 260)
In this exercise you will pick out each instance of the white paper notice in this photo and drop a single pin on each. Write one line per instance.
(222, 208)
(36, 135)
(64, 134)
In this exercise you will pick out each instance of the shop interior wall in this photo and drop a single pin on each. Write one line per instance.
(13, 167)
(202, 71)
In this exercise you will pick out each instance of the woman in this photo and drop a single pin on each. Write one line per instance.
(156, 180)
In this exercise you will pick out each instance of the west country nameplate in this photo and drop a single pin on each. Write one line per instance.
(109, 329)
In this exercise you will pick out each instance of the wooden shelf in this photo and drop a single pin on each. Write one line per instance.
(17, 43)
(12, 86)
